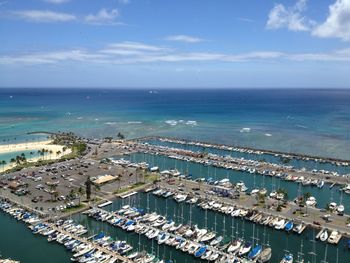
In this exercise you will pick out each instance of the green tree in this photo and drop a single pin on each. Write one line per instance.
(88, 185)
(80, 193)
(3, 163)
(53, 191)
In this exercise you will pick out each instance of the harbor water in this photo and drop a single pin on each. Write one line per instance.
(323, 195)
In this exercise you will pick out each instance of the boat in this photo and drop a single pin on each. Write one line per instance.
(200, 252)
(245, 248)
(333, 237)
(168, 225)
(311, 201)
(289, 226)
(207, 237)
(265, 255)
(255, 252)
(320, 184)
(324, 236)
(163, 237)
(180, 198)
(288, 258)
(234, 246)
(280, 224)
(216, 241)
(340, 209)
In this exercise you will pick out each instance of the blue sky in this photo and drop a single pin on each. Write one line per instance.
(168, 43)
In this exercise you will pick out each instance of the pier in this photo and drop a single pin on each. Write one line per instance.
(96, 246)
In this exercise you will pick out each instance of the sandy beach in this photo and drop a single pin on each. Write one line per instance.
(34, 146)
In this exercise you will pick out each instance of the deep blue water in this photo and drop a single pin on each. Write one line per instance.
(309, 121)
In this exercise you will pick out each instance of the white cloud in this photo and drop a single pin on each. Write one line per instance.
(43, 16)
(184, 38)
(337, 23)
(245, 19)
(125, 2)
(136, 46)
(289, 17)
(103, 17)
(57, 1)
(52, 57)
(135, 53)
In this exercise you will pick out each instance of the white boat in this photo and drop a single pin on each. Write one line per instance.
(245, 249)
(320, 184)
(333, 237)
(180, 198)
(340, 209)
(168, 225)
(254, 191)
(234, 246)
(207, 237)
(311, 201)
(265, 255)
(280, 224)
(324, 236)
(236, 213)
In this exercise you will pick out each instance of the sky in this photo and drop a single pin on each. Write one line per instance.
(175, 43)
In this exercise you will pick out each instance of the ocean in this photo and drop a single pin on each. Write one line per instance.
(311, 121)
(293, 120)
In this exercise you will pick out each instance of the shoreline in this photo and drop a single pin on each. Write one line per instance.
(9, 148)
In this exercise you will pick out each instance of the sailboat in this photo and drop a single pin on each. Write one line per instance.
(288, 258)
(266, 254)
(324, 236)
(256, 250)
(300, 254)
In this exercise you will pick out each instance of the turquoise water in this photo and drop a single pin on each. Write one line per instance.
(7, 156)
(307, 121)
(21, 244)
(18, 242)
(278, 240)
(323, 196)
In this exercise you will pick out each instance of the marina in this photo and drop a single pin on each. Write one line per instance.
(235, 225)
(271, 183)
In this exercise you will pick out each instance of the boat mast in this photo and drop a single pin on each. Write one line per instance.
(313, 253)
(148, 202)
(232, 228)
(243, 229)
(300, 253)
(215, 224)
(224, 228)
(166, 207)
(325, 255)
(253, 239)
(190, 214)
(206, 218)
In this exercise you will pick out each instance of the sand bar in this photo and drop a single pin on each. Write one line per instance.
(34, 146)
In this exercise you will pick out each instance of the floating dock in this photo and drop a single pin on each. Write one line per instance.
(128, 195)
(105, 204)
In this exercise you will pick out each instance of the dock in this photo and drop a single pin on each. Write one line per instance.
(96, 246)
(128, 195)
(105, 204)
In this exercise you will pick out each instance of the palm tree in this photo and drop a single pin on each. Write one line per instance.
(97, 188)
(50, 152)
(55, 195)
(53, 190)
(88, 184)
(3, 163)
(80, 193)
(118, 179)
